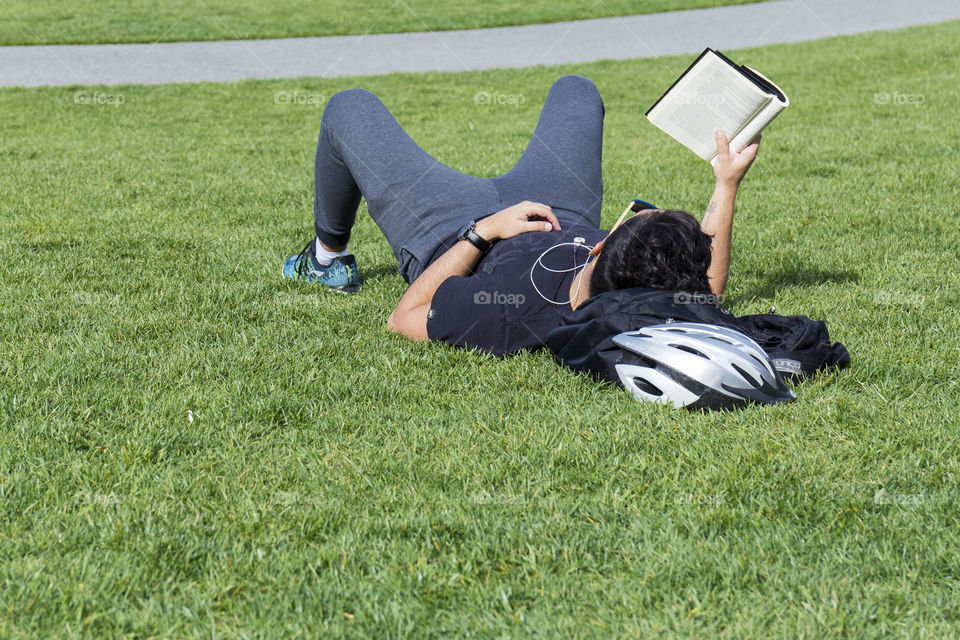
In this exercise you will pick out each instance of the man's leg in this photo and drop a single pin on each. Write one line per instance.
(415, 200)
(561, 166)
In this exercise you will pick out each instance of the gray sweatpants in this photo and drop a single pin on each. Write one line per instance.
(419, 202)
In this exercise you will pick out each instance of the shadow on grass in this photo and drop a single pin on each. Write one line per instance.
(379, 272)
(793, 276)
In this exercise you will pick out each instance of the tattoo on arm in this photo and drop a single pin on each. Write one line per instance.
(711, 209)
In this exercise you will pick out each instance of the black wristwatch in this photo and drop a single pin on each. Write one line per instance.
(469, 233)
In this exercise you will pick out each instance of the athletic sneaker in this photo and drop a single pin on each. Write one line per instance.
(340, 275)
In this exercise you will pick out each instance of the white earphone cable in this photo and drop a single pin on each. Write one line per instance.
(575, 267)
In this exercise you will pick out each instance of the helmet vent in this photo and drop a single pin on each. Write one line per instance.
(683, 347)
(639, 360)
(749, 378)
(647, 387)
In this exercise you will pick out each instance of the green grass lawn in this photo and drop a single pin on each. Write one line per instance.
(95, 21)
(338, 479)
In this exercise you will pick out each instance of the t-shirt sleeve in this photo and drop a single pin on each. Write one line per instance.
(465, 312)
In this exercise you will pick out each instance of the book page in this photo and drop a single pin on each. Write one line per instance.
(717, 103)
(760, 121)
(711, 96)
(749, 132)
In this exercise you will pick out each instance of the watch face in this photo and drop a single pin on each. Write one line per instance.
(465, 228)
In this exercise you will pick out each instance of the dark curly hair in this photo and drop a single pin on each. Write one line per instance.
(662, 250)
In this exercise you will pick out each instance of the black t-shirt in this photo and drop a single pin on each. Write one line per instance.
(497, 309)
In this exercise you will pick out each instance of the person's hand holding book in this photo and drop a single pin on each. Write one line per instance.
(730, 167)
(716, 93)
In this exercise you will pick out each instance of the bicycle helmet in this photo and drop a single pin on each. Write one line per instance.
(698, 366)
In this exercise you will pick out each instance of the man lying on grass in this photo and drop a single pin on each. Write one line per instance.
(496, 263)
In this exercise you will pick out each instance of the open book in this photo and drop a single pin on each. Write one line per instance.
(714, 93)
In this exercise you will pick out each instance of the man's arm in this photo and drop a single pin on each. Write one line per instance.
(718, 219)
(718, 222)
(410, 317)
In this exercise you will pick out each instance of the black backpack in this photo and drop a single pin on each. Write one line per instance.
(797, 345)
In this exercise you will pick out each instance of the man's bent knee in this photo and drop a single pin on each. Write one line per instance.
(346, 102)
(575, 83)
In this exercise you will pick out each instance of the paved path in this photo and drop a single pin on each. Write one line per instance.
(546, 44)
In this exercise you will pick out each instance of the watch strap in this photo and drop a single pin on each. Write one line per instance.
(470, 234)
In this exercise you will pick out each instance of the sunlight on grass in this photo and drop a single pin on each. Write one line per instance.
(336, 479)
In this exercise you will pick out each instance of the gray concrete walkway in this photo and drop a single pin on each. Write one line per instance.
(547, 44)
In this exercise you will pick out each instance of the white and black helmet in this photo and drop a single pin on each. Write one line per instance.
(698, 366)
